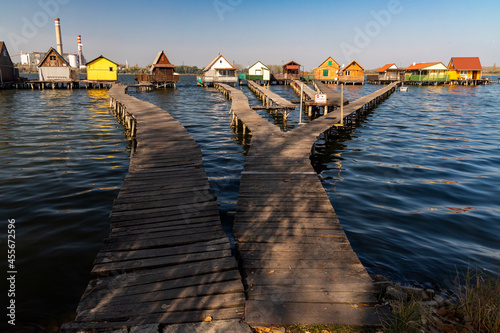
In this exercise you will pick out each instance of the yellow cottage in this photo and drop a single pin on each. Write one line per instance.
(102, 69)
(327, 71)
(353, 73)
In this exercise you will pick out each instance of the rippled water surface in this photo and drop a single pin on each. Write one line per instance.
(415, 186)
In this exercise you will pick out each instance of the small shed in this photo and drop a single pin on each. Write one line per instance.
(352, 73)
(102, 69)
(390, 72)
(219, 70)
(328, 71)
(427, 71)
(465, 68)
(53, 67)
(8, 73)
(291, 70)
(259, 71)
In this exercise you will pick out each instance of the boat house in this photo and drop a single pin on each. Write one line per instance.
(259, 72)
(353, 73)
(161, 73)
(102, 69)
(465, 69)
(218, 71)
(8, 73)
(427, 73)
(390, 73)
(328, 71)
(53, 67)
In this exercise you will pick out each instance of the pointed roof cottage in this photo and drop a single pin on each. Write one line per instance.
(353, 73)
(219, 70)
(53, 67)
(161, 61)
(161, 72)
(327, 71)
(219, 63)
(8, 73)
(259, 71)
(102, 69)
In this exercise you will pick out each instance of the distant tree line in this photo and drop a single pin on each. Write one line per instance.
(184, 69)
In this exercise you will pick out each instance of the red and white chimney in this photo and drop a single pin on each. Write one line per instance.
(58, 36)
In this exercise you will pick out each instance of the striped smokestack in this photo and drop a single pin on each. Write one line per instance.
(58, 36)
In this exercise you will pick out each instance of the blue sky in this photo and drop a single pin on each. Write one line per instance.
(193, 32)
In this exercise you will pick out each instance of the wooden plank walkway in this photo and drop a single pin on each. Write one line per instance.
(299, 266)
(332, 97)
(166, 260)
(268, 97)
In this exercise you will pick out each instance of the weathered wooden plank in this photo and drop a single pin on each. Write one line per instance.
(137, 205)
(164, 226)
(129, 243)
(176, 221)
(213, 245)
(182, 216)
(288, 294)
(157, 318)
(157, 261)
(265, 312)
(163, 306)
(179, 209)
(162, 292)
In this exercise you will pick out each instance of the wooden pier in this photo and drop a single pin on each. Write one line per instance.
(314, 108)
(166, 260)
(270, 100)
(68, 84)
(297, 262)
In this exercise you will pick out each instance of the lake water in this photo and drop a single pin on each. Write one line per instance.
(415, 186)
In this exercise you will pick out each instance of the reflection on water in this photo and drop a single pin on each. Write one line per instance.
(413, 185)
(63, 159)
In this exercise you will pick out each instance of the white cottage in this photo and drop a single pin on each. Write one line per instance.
(259, 71)
(54, 67)
(218, 71)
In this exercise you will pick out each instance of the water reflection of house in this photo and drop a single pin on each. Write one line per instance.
(218, 71)
(53, 67)
(161, 73)
(8, 73)
(465, 69)
(328, 71)
(353, 73)
(102, 69)
(427, 73)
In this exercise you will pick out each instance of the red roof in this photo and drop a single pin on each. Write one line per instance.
(421, 65)
(466, 63)
(384, 68)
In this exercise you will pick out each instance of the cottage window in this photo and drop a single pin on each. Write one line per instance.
(325, 72)
(53, 57)
(463, 72)
(329, 62)
(347, 73)
(110, 69)
(4, 53)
